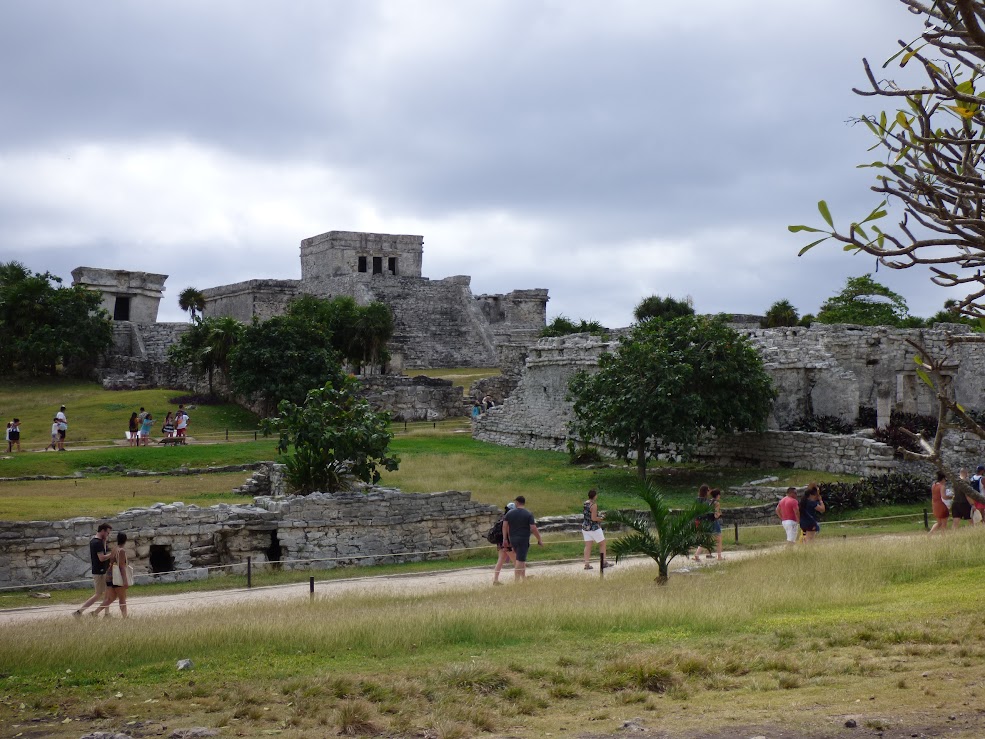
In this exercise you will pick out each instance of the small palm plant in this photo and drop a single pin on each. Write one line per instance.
(663, 534)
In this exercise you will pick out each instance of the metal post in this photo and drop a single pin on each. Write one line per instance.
(736, 532)
(926, 520)
(227, 434)
(601, 566)
(311, 588)
(254, 436)
(249, 572)
(405, 424)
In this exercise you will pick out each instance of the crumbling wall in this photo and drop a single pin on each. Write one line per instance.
(413, 398)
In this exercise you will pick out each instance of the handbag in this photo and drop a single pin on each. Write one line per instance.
(118, 576)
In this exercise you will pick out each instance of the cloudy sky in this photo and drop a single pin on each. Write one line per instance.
(606, 150)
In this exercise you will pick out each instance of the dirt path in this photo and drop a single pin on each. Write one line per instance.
(423, 583)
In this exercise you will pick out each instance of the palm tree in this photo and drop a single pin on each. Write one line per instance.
(223, 336)
(781, 313)
(192, 300)
(661, 535)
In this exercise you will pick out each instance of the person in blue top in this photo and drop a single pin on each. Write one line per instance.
(145, 427)
(591, 528)
(810, 507)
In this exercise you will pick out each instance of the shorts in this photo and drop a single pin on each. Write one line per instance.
(15, 436)
(520, 549)
(181, 432)
(597, 535)
(790, 527)
(61, 434)
(809, 527)
(716, 527)
(99, 583)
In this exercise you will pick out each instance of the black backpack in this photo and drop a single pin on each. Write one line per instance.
(495, 534)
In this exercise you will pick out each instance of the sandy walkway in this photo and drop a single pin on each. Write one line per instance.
(466, 578)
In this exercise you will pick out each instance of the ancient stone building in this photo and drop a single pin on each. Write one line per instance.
(439, 323)
(127, 296)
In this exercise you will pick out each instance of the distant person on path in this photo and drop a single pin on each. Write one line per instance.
(961, 507)
(488, 402)
(591, 528)
(7, 437)
(98, 557)
(133, 429)
(145, 428)
(939, 505)
(54, 434)
(141, 416)
(181, 423)
(167, 428)
(476, 410)
(788, 511)
(504, 549)
(117, 560)
(62, 421)
(810, 507)
(14, 435)
(518, 526)
(706, 517)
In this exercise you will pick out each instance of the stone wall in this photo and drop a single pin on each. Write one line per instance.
(177, 541)
(244, 301)
(138, 358)
(413, 398)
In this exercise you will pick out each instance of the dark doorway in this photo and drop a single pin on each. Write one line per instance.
(391, 265)
(377, 265)
(362, 264)
(274, 551)
(121, 310)
(160, 558)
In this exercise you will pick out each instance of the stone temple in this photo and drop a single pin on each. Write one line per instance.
(439, 323)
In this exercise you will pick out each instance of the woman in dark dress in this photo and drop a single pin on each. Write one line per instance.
(810, 507)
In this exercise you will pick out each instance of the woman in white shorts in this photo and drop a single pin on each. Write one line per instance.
(591, 530)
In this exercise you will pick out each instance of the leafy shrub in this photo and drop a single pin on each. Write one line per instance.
(894, 488)
(821, 424)
(896, 437)
(583, 455)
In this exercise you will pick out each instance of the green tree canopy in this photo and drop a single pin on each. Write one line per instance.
(208, 346)
(359, 333)
(192, 301)
(667, 384)
(781, 313)
(43, 324)
(282, 358)
(864, 302)
(663, 308)
(335, 436)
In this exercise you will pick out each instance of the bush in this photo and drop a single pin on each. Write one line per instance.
(867, 418)
(821, 425)
(896, 437)
(583, 455)
(894, 488)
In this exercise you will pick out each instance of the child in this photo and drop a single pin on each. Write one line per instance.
(54, 434)
(14, 435)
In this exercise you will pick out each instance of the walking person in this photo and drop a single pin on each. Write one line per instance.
(788, 511)
(54, 435)
(961, 507)
(939, 504)
(14, 437)
(117, 578)
(133, 429)
(167, 428)
(145, 428)
(505, 550)
(7, 437)
(591, 528)
(61, 421)
(810, 507)
(703, 500)
(98, 558)
(716, 523)
(181, 423)
(518, 526)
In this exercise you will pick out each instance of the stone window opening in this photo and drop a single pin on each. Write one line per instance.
(362, 264)
(391, 265)
(161, 559)
(121, 308)
(274, 552)
(377, 265)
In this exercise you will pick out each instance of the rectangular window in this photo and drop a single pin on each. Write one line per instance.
(362, 264)
(391, 265)
(121, 310)
(377, 265)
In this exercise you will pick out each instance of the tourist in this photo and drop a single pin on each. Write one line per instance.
(117, 578)
(167, 428)
(788, 511)
(62, 421)
(7, 437)
(939, 504)
(98, 557)
(133, 430)
(704, 502)
(141, 416)
(145, 428)
(810, 507)
(716, 524)
(518, 526)
(591, 529)
(961, 506)
(476, 410)
(504, 549)
(14, 435)
(181, 423)
(487, 402)
(54, 434)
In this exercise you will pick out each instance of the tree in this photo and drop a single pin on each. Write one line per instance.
(864, 302)
(43, 324)
(933, 162)
(282, 358)
(664, 534)
(359, 334)
(664, 308)
(208, 346)
(781, 313)
(564, 326)
(335, 436)
(192, 301)
(670, 383)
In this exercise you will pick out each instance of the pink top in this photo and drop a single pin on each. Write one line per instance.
(788, 508)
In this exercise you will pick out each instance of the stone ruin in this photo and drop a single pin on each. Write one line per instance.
(168, 543)
(127, 296)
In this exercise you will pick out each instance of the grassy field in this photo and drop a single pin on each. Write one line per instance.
(738, 650)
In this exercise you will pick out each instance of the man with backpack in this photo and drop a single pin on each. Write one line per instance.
(495, 536)
(518, 526)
